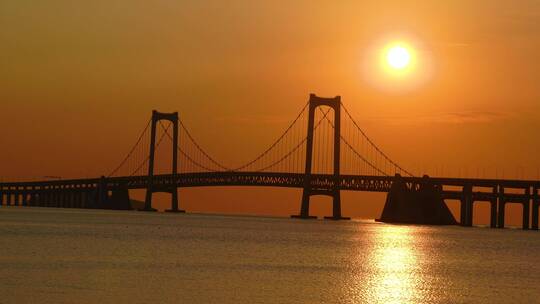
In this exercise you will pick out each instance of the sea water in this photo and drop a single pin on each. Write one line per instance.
(50, 255)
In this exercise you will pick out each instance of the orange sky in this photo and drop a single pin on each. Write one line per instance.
(79, 79)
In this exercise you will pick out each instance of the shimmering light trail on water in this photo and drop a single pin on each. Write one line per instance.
(88, 256)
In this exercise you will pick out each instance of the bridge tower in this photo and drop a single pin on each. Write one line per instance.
(309, 189)
(169, 187)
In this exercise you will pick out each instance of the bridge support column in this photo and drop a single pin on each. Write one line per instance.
(526, 214)
(38, 196)
(493, 213)
(24, 198)
(77, 199)
(53, 198)
(304, 208)
(334, 190)
(493, 208)
(61, 197)
(85, 199)
(74, 197)
(336, 208)
(462, 211)
(91, 199)
(16, 200)
(467, 207)
(47, 197)
(102, 193)
(119, 199)
(535, 205)
(67, 198)
(502, 203)
(526, 209)
(171, 187)
(60, 193)
(33, 198)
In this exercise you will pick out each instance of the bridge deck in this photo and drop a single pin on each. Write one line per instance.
(272, 179)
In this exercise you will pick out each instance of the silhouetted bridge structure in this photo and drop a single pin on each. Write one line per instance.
(297, 159)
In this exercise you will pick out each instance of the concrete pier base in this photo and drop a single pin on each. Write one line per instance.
(175, 211)
(336, 218)
(304, 217)
(423, 205)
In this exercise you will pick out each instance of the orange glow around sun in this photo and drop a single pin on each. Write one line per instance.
(396, 65)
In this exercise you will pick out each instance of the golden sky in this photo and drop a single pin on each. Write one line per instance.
(78, 81)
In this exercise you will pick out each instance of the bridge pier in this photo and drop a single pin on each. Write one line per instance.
(24, 198)
(119, 199)
(502, 203)
(42, 198)
(55, 201)
(535, 205)
(49, 197)
(102, 193)
(304, 207)
(67, 198)
(526, 214)
(78, 198)
(8, 199)
(53, 197)
(336, 208)
(467, 205)
(462, 211)
(74, 194)
(87, 199)
(526, 209)
(38, 196)
(32, 199)
(525, 202)
(61, 197)
(493, 213)
(91, 199)
(16, 198)
(493, 207)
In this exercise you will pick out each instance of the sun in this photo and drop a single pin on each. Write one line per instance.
(397, 63)
(398, 57)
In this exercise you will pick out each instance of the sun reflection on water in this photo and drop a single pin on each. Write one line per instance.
(393, 273)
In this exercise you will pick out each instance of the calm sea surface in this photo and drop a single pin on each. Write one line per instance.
(87, 256)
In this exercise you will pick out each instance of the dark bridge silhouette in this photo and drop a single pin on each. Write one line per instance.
(311, 159)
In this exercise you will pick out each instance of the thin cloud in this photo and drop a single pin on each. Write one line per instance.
(462, 117)
(255, 120)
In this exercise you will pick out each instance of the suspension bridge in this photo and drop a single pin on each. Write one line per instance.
(331, 154)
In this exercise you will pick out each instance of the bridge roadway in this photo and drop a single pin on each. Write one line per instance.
(368, 183)
(497, 192)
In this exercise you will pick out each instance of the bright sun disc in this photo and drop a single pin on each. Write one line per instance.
(398, 57)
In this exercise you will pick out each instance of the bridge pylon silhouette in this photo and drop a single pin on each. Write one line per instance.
(309, 188)
(170, 187)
